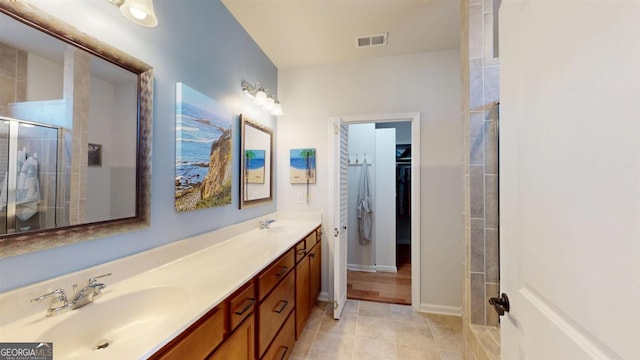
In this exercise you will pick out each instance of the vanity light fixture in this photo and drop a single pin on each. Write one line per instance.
(261, 97)
(137, 11)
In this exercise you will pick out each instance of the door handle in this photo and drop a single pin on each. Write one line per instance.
(501, 304)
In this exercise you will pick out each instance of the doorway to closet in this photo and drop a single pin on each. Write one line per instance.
(379, 253)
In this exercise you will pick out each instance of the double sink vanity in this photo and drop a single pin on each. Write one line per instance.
(240, 292)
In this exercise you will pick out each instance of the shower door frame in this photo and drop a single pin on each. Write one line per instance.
(14, 125)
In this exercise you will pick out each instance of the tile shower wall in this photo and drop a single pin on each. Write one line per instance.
(480, 114)
(13, 76)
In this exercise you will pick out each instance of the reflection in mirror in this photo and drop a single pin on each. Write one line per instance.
(56, 98)
(256, 163)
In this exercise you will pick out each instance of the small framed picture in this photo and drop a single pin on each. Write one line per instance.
(95, 155)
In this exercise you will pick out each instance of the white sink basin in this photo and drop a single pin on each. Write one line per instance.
(106, 324)
(281, 228)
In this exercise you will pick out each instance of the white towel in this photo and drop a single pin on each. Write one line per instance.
(365, 211)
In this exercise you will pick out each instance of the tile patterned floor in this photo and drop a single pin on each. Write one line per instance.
(371, 331)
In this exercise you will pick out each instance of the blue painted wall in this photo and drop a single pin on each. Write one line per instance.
(200, 44)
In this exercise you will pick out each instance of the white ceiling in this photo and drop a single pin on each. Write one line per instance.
(295, 33)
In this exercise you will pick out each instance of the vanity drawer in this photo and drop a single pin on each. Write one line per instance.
(241, 305)
(282, 345)
(198, 340)
(301, 250)
(276, 272)
(311, 239)
(274, 311)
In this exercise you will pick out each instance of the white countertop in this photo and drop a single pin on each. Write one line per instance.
(194, 275)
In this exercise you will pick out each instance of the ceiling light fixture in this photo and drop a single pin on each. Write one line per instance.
(137, 11)
(261, 97)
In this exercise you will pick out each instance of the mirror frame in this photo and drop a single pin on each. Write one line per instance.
(22, 243)
(244, 203)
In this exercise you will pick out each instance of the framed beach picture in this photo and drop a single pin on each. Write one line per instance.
(203, 151)
(94, 157)
(303, 166)
(254, 166)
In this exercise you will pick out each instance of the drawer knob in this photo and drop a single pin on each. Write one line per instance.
(283, 305)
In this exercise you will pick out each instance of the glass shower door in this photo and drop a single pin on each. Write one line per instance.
(30, 181)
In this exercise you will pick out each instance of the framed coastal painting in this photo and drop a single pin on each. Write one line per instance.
(303, 166)
(254, 166)
(203, 151)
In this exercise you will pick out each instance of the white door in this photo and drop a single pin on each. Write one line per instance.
(340, 173)
(570, 179)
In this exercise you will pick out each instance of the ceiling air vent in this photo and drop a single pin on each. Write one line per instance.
(371, 40)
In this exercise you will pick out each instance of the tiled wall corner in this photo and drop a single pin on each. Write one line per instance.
(481, 77)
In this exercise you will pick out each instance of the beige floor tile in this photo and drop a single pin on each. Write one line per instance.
(351, 307)
(313, 323)
(414, 353)
(448, 321)
(321, 305)
(345, 326)
(331, 347)
(410, 316)
(370, 331)
(371, 349)
(303, 344)
(448, 339)
(375, 328)
(374, 309)
(414, 336)
(446, 355)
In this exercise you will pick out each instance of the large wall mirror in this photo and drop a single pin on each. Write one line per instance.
(75, 134)
(256, 169)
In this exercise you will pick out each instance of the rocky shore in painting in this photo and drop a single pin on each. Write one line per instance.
(215, 188)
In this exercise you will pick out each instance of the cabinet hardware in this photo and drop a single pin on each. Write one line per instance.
(247, 307)
(283, 305)
(283, 271)
(284, 353)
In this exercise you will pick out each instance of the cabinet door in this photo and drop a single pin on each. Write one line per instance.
(240, 346)
(196, 342)
(315, 259)
(303, 294)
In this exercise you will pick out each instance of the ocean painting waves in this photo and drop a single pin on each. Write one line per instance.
(198, 125)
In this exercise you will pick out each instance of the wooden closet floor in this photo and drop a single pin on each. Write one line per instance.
(392, 288)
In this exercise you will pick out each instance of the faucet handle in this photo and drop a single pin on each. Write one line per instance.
(94, 279)
(59, 303)
(58, 293)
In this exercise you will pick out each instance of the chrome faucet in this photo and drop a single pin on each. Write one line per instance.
(266, 223)
(88, 293)
(59, 302)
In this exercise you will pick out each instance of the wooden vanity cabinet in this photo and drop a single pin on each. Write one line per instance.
(240, 345)
(198, 341)
(278, 301)
(308, 272)
(263, 318)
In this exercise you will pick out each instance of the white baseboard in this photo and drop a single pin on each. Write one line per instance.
(389, 269)
(365, 268)
(441, 309)
(323, 296)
